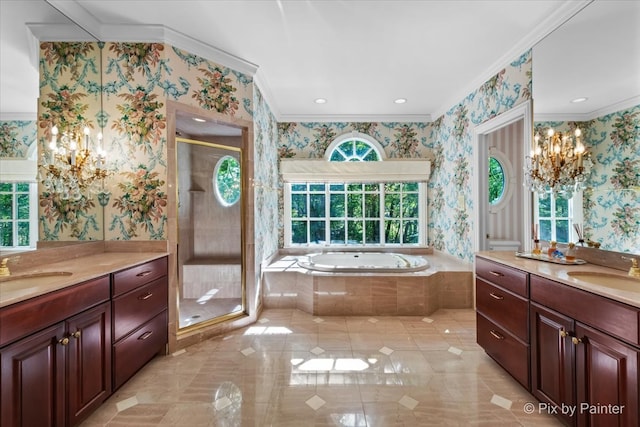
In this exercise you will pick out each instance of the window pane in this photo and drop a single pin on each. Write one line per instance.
(545, 230)
(410, 186)
(23, 206)
(347, 148)
(562, 207)
(299, 231)
(392, 187)
(317, 205)
(410, 205)
(298, 205)
(316, 187)
(371, 157)
(337, 232)
(544, 206)
(354, 207)
(336, 187)
(362, 149)
(562, 231)
(392, 206)
(336, 206)
(6, 233)
(336, 156)
(354, 187)
(496, 180)
(6, 186)
(411, 233)
(22, 187)
(23, 233)
(371, 187)
(354, 232)
(372, 205)
(298, 187)
(372, 231)
(392, 231)
(6, 206)
(317, 229)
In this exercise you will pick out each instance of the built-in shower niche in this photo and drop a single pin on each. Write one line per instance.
(209, 249)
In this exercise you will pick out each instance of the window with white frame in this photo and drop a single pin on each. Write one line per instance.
(17, 215)
(556, 215)
(354, 213)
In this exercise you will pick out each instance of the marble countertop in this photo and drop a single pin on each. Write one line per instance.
(81, 269)
(559, 273)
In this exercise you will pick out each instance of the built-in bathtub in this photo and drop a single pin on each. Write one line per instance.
(446, 283)
(361, 262)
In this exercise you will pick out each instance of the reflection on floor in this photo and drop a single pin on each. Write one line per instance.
(200, 310)
(295, 369)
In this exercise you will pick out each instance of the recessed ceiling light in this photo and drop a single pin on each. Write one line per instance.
(400, 100)
(198, 119)
(578, 100)
(320, 101)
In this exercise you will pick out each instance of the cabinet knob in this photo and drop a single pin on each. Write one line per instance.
(76, 334)
(563, 333)
(576, 340)
(64, 341)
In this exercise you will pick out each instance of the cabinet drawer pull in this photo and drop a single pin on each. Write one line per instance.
(576, 340)
(145, 296)
(496, 335)
(494, 296)
(145, 335)
(563, 333)
(76, 334)
(63, 341)
(496, 273)
(144, 273)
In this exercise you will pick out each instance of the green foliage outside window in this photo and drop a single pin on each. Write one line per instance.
(496, 181)
(227, 180)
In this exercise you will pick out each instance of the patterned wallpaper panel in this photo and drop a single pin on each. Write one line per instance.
(16, 137)
(611, 202)
(121, 89)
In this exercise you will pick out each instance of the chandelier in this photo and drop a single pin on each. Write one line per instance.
(559, 162)
(70, 168)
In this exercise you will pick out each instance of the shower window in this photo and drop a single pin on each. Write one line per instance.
(226, 181)
(355, 213)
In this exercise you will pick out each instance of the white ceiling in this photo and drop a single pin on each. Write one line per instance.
(362, 55)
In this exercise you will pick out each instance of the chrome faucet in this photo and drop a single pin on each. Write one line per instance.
(634, 271)
(4, 270)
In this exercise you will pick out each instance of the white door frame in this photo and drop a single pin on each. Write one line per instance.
(523, 112)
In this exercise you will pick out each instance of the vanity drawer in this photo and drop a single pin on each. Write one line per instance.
(509, 278)
(24, 318)
(511, 353)
(504, 308)
(135, 350)
(131, 278)
(136, 307)
(609, 316)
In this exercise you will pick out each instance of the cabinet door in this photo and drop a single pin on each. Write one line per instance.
(33, 372)
(89, 362)
(552, 359)
(607, 379)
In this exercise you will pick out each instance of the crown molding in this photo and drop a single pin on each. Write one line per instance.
(267, 94)
(561, 15)
(342, 118)
(585, 117)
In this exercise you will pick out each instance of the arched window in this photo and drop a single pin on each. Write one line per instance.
(325, 211)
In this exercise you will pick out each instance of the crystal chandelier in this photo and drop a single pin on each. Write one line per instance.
(559, 162)
(70, 168)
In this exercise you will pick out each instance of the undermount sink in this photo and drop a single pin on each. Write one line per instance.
(30, 279)
(615, 281)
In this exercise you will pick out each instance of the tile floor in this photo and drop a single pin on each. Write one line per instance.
(295, 369)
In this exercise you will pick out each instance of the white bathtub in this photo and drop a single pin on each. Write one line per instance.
(362, 262)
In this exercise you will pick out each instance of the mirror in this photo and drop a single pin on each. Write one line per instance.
(210, 210)
(20, 88)
(595, 55)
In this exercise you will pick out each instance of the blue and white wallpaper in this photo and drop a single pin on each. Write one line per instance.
(16, 137)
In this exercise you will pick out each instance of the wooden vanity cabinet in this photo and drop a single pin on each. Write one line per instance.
(584, 354)
(140, 302)
(55, 356)
(502, 313)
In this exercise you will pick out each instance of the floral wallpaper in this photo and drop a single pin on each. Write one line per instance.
(446, 141)
(16, 137)
(611, 203)
(121, 89)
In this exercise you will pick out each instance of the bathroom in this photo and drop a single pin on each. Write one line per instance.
(452, 228)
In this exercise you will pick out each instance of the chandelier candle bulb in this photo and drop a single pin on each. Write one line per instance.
(86, 137)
